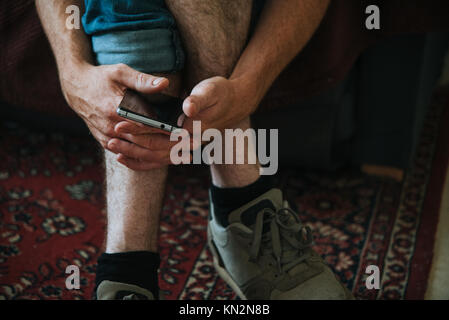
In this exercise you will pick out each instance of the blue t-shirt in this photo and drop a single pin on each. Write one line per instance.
(119, 15)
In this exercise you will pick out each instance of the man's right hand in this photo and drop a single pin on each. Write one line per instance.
(94, 93)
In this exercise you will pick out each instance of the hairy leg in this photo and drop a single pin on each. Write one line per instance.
(134, 200)
(237, 175)
(214, 34)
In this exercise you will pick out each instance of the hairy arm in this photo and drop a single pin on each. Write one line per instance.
(71, 48)
(283, 30)
(93, 92)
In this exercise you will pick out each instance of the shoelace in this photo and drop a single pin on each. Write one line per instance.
(134, 296)
(284, 225)
(131, 297)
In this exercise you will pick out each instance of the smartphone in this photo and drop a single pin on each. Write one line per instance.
(161, 114)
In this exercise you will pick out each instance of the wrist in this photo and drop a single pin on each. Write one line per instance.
(71, 71)
(71, 75)
(70, 66)
(245, 94)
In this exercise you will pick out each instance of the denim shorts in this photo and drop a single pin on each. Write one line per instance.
(139, 33)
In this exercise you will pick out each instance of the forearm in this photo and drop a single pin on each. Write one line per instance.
(283, 30)
(71, 47)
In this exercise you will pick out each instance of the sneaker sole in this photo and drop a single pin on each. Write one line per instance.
(219, 266)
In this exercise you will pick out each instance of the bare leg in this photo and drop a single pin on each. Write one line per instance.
(214, 34)
(134, 201)
(236, 175)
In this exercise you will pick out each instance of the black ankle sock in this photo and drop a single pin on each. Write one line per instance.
(226, 200)
(138, 268)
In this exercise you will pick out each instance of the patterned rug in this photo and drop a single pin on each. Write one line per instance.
(52, 216)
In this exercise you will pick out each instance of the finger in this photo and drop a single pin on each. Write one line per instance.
(132, 128)
(134, 151)
(155, 142)
(99, 136)
(203, 96)
(139, 81)
(103, 123)
(181, 119)
(138, 165)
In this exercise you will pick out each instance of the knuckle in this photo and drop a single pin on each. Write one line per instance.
(109, 130)
(117, 69)
(91, 118)
(121, 66)
(149, 143)
(140, 80)
(211, 88)
(103, 143)
(111, 113)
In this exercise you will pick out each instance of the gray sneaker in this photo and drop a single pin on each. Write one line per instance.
(271, 258)
(111, 290)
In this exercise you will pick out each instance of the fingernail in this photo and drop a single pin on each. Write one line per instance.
(157, 81)
(181, 120)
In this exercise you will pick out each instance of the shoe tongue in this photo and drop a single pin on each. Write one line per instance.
(247, 214)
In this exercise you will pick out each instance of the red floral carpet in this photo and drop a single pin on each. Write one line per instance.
(51, 216)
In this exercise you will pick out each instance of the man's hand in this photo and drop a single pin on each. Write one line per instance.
(217, 102)
(141, 151)
(95, 92)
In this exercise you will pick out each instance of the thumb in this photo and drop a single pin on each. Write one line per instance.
(203, 96)
(138, 81)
